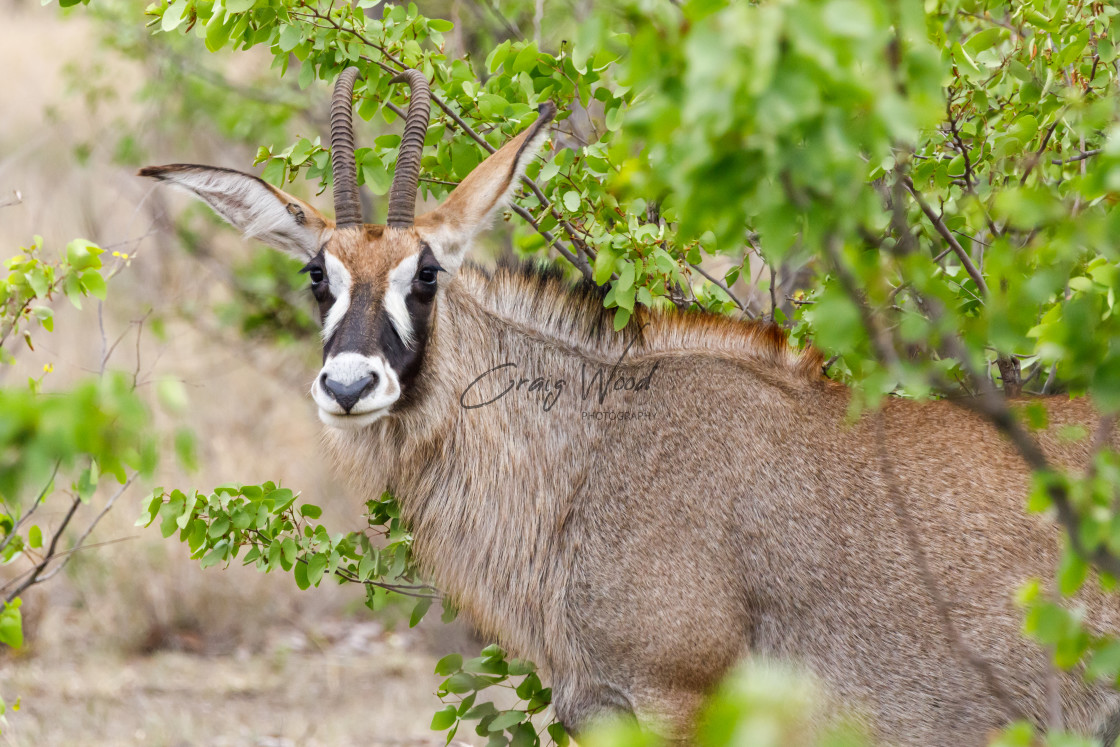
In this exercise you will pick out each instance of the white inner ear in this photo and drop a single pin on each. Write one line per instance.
(450, 248)
(339, 279)
(400, 283)
(249, 206)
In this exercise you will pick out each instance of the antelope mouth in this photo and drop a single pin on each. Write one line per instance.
(354, 422)
(353, 390)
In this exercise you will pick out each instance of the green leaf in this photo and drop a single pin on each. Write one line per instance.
(498, 56)
(173, 15)
(217, 33)
(481, 711)
(559, 734)
(528, 687)
(316, 565)
(449, 664)
(275, 171)
(375, 174)
(985, 39)
(571, 201)
(965, 64)
(93, 284)
(310, 511)
(11, 624)
(219, 553)
(507, 719)
(83, 255)
(526, 59)
(444, 719)
(290, 37)
(519, 667)
(1072, 571)
(462, 682)
(300, 573)
(604, 265)
(418, 612)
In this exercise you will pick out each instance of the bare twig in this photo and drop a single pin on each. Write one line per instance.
(959, 143)
(1038, 153)
(34, 574)
(89, 528)
(34, 507)
(1083, 155)
(945, 233)
(723, 286)
(773, 292)
(880, 337)
(510, 28)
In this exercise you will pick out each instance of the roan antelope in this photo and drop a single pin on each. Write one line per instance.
(637, 511)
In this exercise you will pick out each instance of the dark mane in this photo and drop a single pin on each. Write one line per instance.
(538, 295)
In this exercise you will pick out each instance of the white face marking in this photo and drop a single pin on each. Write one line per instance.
(347, 368)
(339, 279)
(400, 283)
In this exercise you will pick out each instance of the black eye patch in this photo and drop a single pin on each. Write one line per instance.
(425, 282)
(320, 285)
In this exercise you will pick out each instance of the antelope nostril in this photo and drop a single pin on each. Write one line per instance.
(347, 395)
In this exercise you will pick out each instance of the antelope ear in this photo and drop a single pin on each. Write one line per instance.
(450, 228)
(251, 205)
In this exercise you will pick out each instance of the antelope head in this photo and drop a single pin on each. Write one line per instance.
(377, 286)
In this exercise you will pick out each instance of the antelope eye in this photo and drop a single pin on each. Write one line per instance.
(427, 275)
(316, 274)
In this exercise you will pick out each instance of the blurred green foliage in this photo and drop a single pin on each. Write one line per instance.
(96, 428)
(270, 299)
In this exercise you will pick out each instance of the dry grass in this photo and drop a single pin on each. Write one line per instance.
(134, 644)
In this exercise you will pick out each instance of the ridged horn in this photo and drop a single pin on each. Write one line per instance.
(347, 206)
(402, 196)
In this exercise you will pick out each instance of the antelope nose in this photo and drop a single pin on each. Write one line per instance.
(347, 395)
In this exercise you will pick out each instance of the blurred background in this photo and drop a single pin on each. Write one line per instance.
(132, 643)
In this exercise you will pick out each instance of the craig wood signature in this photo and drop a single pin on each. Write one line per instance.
(549, 389)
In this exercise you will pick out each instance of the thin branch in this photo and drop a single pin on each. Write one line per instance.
(34, 507)
(968, 178)
(880, 338)
(41, 566)
(439, 181)
(945, 233)
(419, 591)
(510, 29)
(548, 236)
(1080, 157)
(96, 519)
(723, 286)
(1046, 387)
(773, 292)
(1038, 154)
